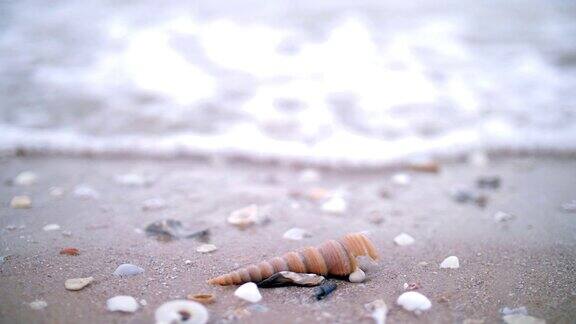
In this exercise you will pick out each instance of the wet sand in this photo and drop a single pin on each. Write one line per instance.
(528, 261)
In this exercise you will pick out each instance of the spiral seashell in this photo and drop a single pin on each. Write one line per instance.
(333, 257)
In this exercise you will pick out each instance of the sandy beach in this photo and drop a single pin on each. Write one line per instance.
(528, 260)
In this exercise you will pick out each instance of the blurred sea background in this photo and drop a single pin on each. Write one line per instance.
(356, 83)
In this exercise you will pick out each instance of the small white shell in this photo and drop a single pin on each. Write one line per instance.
(26, 178)
(21, 202)
(335, 205)
(414, 302)
(125, 304)
(249, 292)
(401, 179)
(38, 304)
(501, 216)
(51, 227)
(296, 234)
(181, 311)
(85, 192)
(403, 239)
(244, 217)
(450, 262)
(127, 270)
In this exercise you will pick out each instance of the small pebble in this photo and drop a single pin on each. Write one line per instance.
(206, 248)
(67, 233)
(414, 302)
(21, 202)
(188, 262)
(522, 319)
(127, 270)
(501, 216)
(249, 292)
(85, 192)
(378, 310)
(38, 304)
(450, 262)
(125, 304)
(401, 179)
(181, 311)
(296, 234)
(78, 283)
(26, 178)
(51, 227)
(357, 276)
(335, 205)
(404, 239)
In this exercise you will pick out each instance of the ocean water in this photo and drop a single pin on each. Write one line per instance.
(356, 83)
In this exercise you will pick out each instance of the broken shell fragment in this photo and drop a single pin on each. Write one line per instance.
(296, 234)
(202, 298)
(324, 290)
(206, 248)
(181, 311)
(501, 216)
(245, 217)
(51, 227)
(403, 239)
(378, 310)
(169, 229)
(335, 205)
(249, 292)
(333, 257)
(154, 204)
(450, 262)
(77, 283)
(357, 276)
(21, 202)
(284, 278)
(70, 251)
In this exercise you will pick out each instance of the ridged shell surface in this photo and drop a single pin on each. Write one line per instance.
(333, 257)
